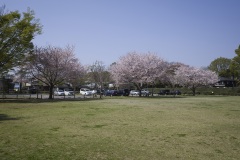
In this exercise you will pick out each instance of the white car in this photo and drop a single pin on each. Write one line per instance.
(59, 93)
(85, 91)
(134, 92)
(94, 91)
(68, 93)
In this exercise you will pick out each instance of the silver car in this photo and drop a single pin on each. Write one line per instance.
(145, 92)
(134, 92)
(85, 91)
(59, 93)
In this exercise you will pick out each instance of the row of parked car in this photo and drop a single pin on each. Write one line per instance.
(144, 92)
(125, 92)
(63, 93)
(122, 92)
(83, 91)
(168, 92)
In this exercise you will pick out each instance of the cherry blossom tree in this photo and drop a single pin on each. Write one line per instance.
(193, 78)
(53, 66)
(170, 77)
(138, 69)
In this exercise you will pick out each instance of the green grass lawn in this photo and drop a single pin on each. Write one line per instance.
(122, 128)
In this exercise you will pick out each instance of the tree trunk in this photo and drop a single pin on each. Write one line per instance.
(74, 91)
(100, 90)
(139, 88)
(51, 92)
(194, 90)
(153, 85)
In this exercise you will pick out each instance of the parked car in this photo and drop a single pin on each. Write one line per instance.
(109, 92)
(85, 91)
(145, 92)
(94, 91)
(126, 92)
(59, 93)
(164, 92)
(114, 93)
(100, 91)
(68, 93)
(134, 92)
(32, 91)
(175, 92)
(118, 92)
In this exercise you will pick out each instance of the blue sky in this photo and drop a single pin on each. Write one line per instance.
(194, 32)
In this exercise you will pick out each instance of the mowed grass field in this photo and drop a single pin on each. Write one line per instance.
(122, 128)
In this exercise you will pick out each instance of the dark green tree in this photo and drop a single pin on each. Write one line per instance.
(16, 34)
(237, 51)
(235, 65)
(221, 66)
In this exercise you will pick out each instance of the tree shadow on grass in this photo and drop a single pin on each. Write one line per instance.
(5, 117)
(159, 97)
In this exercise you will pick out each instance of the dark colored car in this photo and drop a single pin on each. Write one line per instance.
(32, 91)
(123, 92)
(100, 91)
(109, 92)
(164, 92)
(116, 93)
(120, 92)
(176, 92)
(126, 92)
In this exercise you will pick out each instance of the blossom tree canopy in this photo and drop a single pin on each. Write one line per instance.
(54, 66)
(138, 69)
(194, 77)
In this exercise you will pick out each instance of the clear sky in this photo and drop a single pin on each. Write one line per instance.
(194, 32)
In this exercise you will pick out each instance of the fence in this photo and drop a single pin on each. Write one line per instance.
(42, 95)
